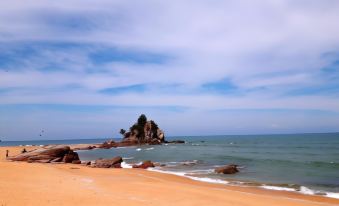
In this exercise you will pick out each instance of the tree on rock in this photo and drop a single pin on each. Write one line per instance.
(144, 132)
(122, 131)
(155, 128)
(142, 120)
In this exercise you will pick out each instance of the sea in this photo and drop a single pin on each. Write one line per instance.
(305, 163)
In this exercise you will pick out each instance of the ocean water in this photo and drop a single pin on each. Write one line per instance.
(306, 163)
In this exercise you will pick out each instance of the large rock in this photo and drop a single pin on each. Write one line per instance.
(126, 143)
(144, 132)
(45, 154)
(109, 163)
(86, 147)
(76, 162)
(70, 157)
(227, 169)
(107, 145)
(144, 165)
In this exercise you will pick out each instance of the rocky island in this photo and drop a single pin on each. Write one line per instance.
(140, 133)
(144, 132)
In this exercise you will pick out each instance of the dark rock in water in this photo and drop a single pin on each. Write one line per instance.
(126, 143)
(158, 164)
(89, 147)
(228, 169)
(144, 165)
(176, 142)
(108, 163)
(108, 145)
(191, 163)
(50, 154)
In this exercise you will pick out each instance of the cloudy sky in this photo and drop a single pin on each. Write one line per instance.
(85, 69)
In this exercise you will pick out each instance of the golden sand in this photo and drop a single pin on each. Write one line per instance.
(66, 184)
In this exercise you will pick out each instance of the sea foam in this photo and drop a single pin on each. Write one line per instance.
(303, 189)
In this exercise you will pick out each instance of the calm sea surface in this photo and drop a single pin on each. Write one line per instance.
(307, 163)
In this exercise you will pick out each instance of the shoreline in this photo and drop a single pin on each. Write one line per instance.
(261, 186)
(131, 180)
(143, 183)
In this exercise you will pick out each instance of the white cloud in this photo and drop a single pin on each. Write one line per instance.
(265, 48)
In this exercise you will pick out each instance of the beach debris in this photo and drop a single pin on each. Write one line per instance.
(59, 153)
(144, 165)
(227, 169)
(115, 162)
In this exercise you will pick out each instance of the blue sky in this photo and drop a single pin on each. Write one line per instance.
(85, 69)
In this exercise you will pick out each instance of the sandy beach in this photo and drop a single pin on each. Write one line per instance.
(68, 184)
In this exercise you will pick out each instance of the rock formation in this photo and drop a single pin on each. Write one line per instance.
(58, 153)
(227, 169)
(115, 162)
(144, 132)
(144, 165)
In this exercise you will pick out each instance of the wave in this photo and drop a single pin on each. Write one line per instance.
(330, 164)
(126, 147)
(184, 174)
(125, 165)
(299, 189)
(277, 188)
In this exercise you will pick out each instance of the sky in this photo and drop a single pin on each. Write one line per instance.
(85, 69)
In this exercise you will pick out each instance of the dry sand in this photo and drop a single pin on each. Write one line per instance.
(66, 184)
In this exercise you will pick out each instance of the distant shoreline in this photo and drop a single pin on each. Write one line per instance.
(169, 137)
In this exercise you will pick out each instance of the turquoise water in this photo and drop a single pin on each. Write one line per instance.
(308, 163)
